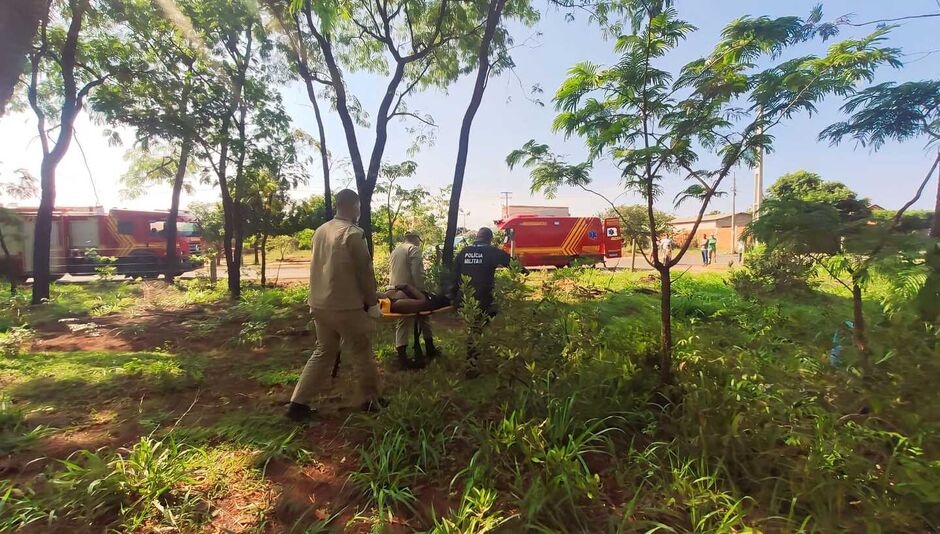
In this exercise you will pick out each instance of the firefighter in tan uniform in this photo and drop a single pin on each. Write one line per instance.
(406, 267)
(344, 307)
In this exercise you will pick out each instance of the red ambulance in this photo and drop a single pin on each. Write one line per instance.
(558, 241)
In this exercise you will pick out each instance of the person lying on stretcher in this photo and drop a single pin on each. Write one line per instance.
(406, 299)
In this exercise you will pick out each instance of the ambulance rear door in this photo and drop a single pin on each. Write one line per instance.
(613, 240)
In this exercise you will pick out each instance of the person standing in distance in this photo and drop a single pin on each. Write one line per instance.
(479, 262)
(665, 244)
(406, 267)
(343, 305)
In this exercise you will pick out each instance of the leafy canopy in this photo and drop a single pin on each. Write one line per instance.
(654, 125)
(890, 111)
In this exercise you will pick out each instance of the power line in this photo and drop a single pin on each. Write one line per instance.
(87, 168)
(883, 21)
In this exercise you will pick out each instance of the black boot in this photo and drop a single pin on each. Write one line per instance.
(374, 405)
(403, 362)
(430, 349)
(419, 362)
(300, 413)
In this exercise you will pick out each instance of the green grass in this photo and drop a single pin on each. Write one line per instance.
(67, 301)
(15, 432)
(277, 377)
(269, 436)
(565, 431)
(151, 483)
(57, 377)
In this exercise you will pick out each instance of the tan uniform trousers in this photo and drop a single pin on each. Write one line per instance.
(405, 328)
(351, 328)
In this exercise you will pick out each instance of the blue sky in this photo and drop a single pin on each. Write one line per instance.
(507, 119)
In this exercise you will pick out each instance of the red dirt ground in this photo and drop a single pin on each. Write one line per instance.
(295, 492)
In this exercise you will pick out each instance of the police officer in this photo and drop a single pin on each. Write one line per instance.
(479, 262)
(343, 304)
(406, 267)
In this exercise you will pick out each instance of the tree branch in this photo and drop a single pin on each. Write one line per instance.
(410, 88)
(413, 116)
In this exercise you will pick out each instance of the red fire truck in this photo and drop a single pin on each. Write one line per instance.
(135, 238)
(558, 241)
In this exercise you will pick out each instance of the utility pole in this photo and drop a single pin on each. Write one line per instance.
(734, 193)
(506, 195)
(759, 171)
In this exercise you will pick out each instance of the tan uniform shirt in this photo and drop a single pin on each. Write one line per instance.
(341, 274)
(406, 266)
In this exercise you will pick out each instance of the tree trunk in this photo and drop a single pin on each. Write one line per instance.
(235, 279)
(665, 339)
(633, 256)
(42, 240)
(238, 229)
(254, 248)
(264, 260)
(858, 328)
(367, 188)
(321, 133)
(342, 108)
(19, 20)
(213, 269)
(391, 233)
(935, 227)
(365, 215)
(71, 105)
(493, 15)
(172, 259)
(230, 210)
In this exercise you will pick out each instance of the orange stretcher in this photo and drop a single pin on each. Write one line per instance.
(385, 306)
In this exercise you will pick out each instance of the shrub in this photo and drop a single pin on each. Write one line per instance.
(304, 239)
(282, 244)
(773, 272)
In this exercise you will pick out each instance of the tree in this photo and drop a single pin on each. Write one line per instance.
(274, 170)
(397, 198)
(417, 43)
(494, 42)
(211, 220)
(164, 100)
(634, 223)
(308, 214)
(245, 113)
(828, 222)
(155, 165)
(306, 61)
(810, 187)
(721, 108)
(891, 111)
(69, 59)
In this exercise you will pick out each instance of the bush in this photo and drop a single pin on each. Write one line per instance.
(773, 272)
(282, 244)
(304, 239)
